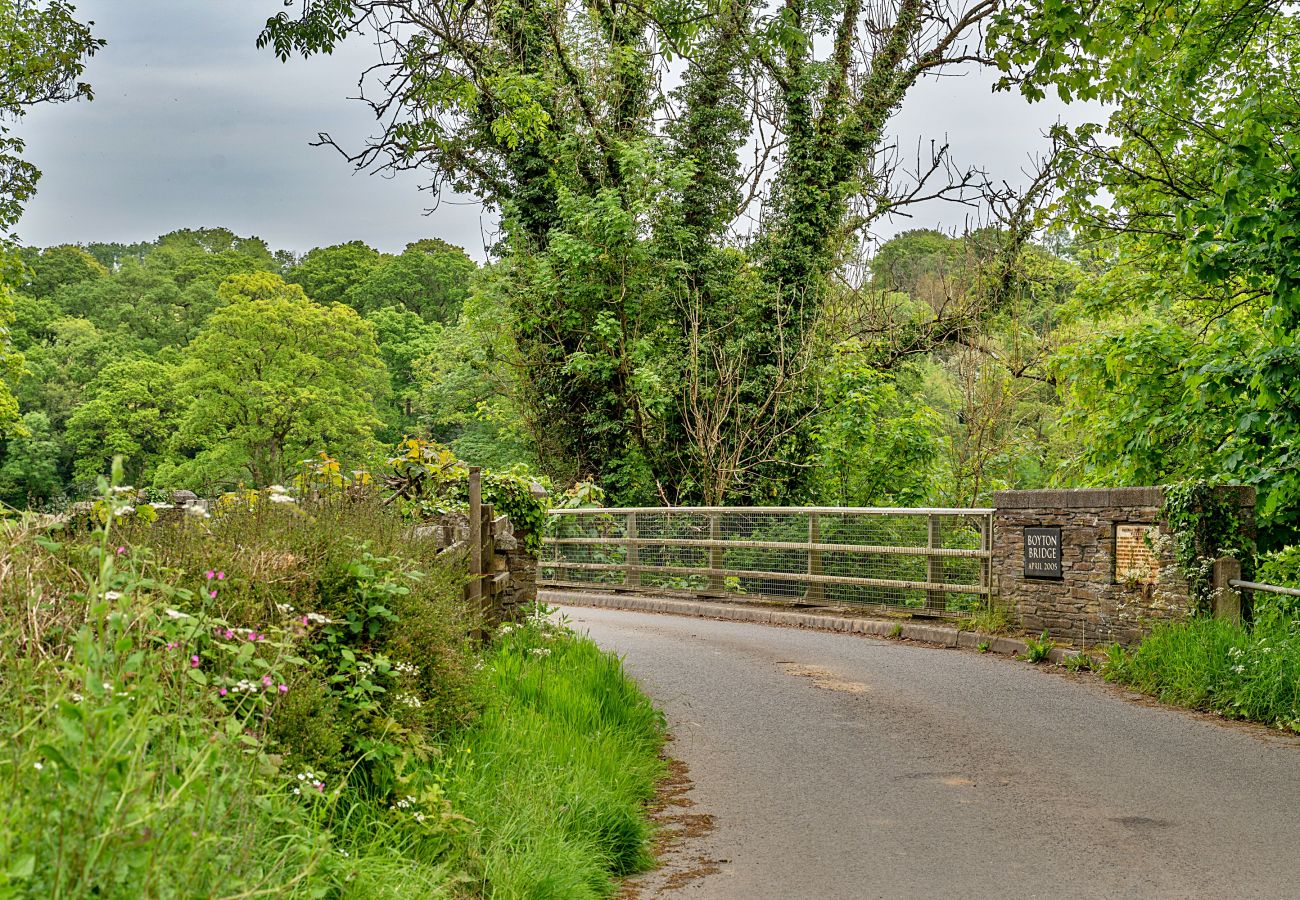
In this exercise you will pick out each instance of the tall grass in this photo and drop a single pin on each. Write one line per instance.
(1246, 672)
(372, 752)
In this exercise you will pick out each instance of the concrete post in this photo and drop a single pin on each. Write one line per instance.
(1225, 599)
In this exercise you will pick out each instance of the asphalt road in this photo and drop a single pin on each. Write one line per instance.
(838, 766)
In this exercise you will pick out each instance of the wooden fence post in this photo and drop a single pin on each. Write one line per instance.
(632, 576)
(715, 552)
(474, 589)
(816, 591)
(933, 567)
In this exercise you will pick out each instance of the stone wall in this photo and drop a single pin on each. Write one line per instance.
(509, 557)
(1118, 575)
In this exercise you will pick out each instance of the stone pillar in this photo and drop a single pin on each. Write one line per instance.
(1117, 570)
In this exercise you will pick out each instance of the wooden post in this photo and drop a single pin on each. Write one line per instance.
(816, 591)
(1226, 600)
(933, 568)
(632, 576)
(474, 589)
(487, 553)
(715, 552)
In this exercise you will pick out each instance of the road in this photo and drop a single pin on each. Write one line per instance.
(838, 766)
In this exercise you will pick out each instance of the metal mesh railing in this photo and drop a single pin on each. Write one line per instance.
(934, 561)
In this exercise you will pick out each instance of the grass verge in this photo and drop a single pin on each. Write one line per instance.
(1217, 666)
(282, 702)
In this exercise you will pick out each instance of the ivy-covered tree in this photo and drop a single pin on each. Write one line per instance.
(663, 348)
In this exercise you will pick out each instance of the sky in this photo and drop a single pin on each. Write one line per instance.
(193, 126)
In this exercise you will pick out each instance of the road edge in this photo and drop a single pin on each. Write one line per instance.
(937, 635)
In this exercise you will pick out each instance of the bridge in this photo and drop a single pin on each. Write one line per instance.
(931, 562)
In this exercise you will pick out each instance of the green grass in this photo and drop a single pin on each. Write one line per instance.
(1217, 666)
(519, 769)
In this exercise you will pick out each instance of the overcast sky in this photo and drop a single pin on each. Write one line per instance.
(193, 126)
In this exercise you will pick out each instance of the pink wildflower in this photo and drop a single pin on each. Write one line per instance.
(221, 576)
(194, 661)
(284, 689)
(172, 645)
(210, 575)
(229, 634)
(212, 594)
(266, 680)
(222, 692)
(121, 550)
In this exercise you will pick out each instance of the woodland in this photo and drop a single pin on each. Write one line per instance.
(689, 300)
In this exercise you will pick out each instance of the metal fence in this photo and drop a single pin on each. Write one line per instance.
(931, 561)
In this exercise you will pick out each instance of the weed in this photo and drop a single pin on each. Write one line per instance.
(896, 631)
(983, 646)
(1079, 662)
(1039, 649)
(988, 618)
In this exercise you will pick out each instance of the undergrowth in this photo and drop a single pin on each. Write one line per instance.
(1242, 672)
(282, 701)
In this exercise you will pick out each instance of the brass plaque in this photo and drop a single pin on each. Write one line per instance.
(1135, 562)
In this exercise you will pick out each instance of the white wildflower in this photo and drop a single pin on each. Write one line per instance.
(112, 595)
(280, 498)
(541, 651)
(38, 766)
(175, 614)
(277, 489)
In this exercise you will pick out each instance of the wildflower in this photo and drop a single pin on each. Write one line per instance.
(209, 574)
(541, 651)
(281, 498)
(277, 489)
(315, 617)
(121, 550)
(126, 511)
(297, 792)
(222, 692)
(76, 698)
(172, 645)
(212, 594)
(112, 595)
(1238, 669)
(194, 662)
(284, 608)
(38, 766)
(284, 689)
(175, 614)
(221, 576)
(229, 634)
(266, 680)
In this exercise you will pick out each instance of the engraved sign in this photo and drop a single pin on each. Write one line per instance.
(1135, 562)
(1043, 552)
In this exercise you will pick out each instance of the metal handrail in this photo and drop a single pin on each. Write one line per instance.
(1266, 588)
(843, 558)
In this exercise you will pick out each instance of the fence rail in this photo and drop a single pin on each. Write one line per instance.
(931, 561)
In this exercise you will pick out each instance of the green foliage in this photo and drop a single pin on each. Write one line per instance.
(43, 51)
(1205, 525)
(1038, 649)
(181, 718)
(1218, 666)
(988, 618)
(274, 377)
(1079, 662)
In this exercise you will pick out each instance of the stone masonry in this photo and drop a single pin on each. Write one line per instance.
(1094, 602)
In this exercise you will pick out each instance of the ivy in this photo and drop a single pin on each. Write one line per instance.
(1203, 519)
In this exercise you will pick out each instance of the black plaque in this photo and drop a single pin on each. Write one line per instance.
(1043, 552)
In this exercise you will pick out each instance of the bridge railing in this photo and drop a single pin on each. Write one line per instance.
(930, 561)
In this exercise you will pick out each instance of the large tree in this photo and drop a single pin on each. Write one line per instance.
(1188, 195)
(274, 378)
(667, 351)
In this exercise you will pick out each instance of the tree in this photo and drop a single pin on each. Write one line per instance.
(43, 51)
(131, 411)
(327, 274)
(427, 279)
(29, 468)
(1189, 194)
(274, 378)
(619, 204)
